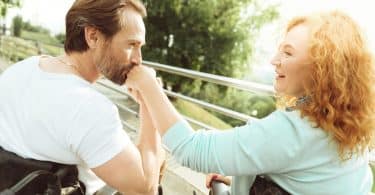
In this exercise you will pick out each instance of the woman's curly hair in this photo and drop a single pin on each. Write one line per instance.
(341, 97)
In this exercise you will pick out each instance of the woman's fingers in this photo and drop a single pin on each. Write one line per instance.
(216, 177)
(135, 95)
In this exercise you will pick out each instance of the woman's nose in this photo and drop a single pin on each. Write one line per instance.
(276, 60)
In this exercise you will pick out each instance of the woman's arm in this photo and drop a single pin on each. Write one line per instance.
(161, 110)
(247, 150)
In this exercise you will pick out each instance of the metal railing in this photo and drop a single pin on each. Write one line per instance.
(221, 80)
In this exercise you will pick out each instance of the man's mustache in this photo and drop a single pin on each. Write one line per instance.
(123, 73)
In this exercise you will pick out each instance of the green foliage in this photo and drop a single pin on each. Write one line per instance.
(372, 165)
(41, 37)
(33, 28)
(17, 26)
(15, 49)
(257, 106)
(195, 112)
(208, 36)
(5, 4)
(204, 35)
(60, 37)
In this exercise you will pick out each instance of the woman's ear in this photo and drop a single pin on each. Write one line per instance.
(92, 36)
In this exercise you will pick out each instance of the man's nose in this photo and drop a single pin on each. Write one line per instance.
(136, 57)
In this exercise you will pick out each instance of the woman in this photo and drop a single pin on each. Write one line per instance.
(317, 143)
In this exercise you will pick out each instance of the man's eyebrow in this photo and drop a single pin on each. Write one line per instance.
(136, 41)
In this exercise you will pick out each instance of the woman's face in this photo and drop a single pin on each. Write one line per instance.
(292, 62)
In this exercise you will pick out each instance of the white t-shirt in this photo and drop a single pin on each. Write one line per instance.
(59, 118)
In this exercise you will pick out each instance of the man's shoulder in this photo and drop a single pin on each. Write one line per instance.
(21, 66)
(89, 98)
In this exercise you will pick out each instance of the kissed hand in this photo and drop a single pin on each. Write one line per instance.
(140, 76)
(137, 96)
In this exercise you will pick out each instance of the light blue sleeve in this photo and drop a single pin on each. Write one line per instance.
(266, 145)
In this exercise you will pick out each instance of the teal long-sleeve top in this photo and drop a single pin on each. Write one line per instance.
(284, 147)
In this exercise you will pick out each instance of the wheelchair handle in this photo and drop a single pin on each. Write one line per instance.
(219, 188)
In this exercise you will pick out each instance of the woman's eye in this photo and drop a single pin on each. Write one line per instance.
(287, 53)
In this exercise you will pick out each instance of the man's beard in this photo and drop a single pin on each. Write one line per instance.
(112, 68)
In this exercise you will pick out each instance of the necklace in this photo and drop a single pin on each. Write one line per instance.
(71, 65)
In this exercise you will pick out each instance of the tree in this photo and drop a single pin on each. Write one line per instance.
(213, 36)
(204, 35)
(17, 26)
(5, 4)
(60, 37)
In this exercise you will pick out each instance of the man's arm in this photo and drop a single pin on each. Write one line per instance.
(136, 168)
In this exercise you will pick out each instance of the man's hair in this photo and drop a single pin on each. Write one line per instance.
(104, 15)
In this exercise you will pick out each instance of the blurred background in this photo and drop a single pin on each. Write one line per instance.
(234, 38)
(231, 38)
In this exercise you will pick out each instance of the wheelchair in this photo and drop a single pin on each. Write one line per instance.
(19, 176)
(219, 188)
(261, 186)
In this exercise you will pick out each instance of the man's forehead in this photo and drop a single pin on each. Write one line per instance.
(135, 38)
(133, 27)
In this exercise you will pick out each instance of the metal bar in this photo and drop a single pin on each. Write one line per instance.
(221, 80)
(127, 125)
(207, 127)
(117, 97)
(114, 87)
(133, 112)
(224, 111)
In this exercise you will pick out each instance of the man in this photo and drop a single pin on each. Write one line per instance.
(50, 112)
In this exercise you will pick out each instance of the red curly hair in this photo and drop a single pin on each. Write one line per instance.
(341, 97)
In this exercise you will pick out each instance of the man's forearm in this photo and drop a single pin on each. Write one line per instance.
(150, 149)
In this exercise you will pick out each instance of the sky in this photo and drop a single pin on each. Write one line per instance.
(51, 14)
(361, 11)
(47, 13)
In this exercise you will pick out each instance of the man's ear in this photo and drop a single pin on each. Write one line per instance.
(93, 37)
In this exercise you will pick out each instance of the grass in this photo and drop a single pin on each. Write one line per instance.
(52, 50)
(16, 49)
(195, 112)
(372, 165)
(42, 37)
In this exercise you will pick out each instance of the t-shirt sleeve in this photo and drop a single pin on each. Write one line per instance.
(97, 134)
(266, 145)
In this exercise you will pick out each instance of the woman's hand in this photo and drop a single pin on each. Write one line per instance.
(134, 93)
(216, 177)
(140, 76)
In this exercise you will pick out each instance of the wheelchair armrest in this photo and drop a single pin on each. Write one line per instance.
(219, 188)
(34, 183)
